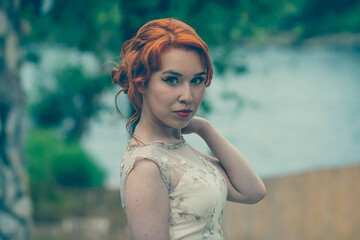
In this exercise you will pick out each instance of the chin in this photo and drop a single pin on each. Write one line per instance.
(180, 125)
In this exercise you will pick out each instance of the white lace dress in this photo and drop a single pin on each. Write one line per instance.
(198, 199)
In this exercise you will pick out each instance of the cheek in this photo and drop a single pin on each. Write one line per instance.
(163, 98)
(166, 97)
(200, 95)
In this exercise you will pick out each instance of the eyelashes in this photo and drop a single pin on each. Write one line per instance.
(174, 80)
(170, 80)
(199, 80)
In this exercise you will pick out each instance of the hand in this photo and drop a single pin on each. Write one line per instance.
(195, 125)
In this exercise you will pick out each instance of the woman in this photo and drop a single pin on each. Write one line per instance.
(169, 190)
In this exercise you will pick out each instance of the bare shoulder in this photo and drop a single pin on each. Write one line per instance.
(144, 179)
(145, 167)
(147, 201)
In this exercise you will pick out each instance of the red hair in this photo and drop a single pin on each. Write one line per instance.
(140, 57)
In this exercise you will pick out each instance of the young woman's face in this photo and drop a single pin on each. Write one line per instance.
(174, 93)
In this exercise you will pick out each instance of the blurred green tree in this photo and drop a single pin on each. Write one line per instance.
(68, 105)
(87, 25)
(75, 96)
(71, 103)
(54, 162)
(54, 165)
(321, 17)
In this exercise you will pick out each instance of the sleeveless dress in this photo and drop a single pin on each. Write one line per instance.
(198, 199)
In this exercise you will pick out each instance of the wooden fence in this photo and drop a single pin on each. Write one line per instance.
(317, 205)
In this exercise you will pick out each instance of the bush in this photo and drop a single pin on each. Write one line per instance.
(54, 165)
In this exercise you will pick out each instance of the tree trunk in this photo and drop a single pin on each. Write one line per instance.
(15, 207)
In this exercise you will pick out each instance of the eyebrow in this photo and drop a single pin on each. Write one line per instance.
(180, 75)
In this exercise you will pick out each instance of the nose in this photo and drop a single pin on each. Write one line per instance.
(186, 95)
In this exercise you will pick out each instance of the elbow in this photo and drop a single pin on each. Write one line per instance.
(257, 195)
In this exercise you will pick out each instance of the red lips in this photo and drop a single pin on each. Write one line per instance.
(184, 112)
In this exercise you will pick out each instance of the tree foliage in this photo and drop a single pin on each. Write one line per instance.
(87, 25)
(71, 102)
(102, 26)
(320, 17)
(54, 165)
(53, 162)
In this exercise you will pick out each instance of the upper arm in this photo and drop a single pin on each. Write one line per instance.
(147, 202)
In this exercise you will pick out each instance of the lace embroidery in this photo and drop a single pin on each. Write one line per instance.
(169, 146)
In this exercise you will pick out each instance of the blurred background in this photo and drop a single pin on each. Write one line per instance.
(286, 92)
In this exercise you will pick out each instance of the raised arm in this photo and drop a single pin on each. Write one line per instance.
(244, 185)
(147, 202)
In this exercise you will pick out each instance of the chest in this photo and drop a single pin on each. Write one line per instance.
(201, 192)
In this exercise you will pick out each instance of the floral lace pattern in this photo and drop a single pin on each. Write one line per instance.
(197, 200)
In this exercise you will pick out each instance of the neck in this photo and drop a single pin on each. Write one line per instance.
(148, 131)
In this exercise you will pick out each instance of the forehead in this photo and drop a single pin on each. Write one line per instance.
(182, 60)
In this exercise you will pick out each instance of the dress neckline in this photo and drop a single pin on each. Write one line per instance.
(170, 146)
